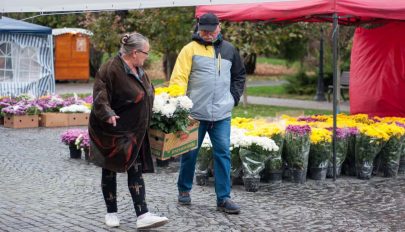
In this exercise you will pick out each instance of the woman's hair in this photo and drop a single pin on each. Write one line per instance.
(134, 41)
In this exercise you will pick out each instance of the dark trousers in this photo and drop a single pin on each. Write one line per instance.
(136, 187)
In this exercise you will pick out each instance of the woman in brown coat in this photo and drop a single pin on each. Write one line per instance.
(123, 98)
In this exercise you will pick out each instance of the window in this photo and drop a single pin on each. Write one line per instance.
(29, 68)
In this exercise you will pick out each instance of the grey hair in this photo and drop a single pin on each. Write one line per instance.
(131, 42)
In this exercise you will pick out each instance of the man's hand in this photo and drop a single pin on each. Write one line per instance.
(113, 120)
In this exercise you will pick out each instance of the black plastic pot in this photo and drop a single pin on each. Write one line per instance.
(299, 176)
(74, 152)
(251, 184)
(318, 173)
(201, 179)
(364, 170)
(275, 176)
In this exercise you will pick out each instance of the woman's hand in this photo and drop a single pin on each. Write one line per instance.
(113, 120)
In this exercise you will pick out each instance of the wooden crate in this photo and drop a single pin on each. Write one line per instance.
(165, 146)
(53, 119)
(21, 121)
(78, 119)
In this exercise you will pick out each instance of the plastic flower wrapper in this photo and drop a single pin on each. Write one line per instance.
(297, 145)
(171, 110)
(392, 150)
(83, 141)
(255, 152)
(342, 142)
(237, 136)
(75, 109)
(369, 142)
(69, 136)
(204, 158)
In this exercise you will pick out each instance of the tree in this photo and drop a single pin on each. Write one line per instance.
(169, 29)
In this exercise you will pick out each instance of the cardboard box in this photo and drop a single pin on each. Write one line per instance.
(53, 119)
(78, 119)
(21, 121)
(165, 146)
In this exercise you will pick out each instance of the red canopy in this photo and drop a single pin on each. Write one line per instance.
(355, 11)
(377, 71)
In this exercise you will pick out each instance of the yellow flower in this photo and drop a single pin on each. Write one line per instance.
(320, 135)
(173, 90)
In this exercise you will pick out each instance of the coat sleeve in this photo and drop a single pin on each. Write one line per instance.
(238, 77)
(182, 68)
(102, 94)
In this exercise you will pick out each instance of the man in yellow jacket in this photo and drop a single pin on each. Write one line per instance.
(213, 73)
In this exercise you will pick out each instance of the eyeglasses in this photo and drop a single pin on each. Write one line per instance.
(146, 53)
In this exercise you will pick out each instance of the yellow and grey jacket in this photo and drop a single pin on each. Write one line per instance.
(214, 76)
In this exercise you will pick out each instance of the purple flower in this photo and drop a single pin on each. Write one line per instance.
(342, 133)
(88, 99)
(307, 119)
(23, 107)
(297, 129)
(400, 124)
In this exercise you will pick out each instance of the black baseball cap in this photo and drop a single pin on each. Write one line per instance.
(208, 22)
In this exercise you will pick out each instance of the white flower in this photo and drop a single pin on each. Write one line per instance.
(185, 102)
(265, 143)
(159, 104)
(168, 110)
(75, 109)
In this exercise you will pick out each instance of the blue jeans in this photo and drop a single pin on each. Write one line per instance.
(219, 133)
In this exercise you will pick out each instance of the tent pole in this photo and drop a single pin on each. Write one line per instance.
(335, 36)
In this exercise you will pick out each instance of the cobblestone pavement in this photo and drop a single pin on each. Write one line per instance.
(41, 189)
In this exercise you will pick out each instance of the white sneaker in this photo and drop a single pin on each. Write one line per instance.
(150, 220)
(112, 220)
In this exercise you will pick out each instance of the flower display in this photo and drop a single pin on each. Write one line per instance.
(23, 107)
(171, 109)
(51, 103)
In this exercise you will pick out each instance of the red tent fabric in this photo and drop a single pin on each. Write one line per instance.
(355, 11)
(377, 71)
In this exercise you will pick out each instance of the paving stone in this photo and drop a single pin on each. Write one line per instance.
(42, 189)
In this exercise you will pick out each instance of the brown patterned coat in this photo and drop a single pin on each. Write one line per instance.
(117, 91)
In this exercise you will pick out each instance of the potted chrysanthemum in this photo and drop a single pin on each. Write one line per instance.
(50, 116)
(172, 124)
(69, 137)
(342, 142)
(204, 162)
(319, 153)
(254, 152)
(23, 114)
(391, 151)
(369, 142)
(297, 145)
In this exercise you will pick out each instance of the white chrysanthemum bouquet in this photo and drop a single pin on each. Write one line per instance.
(171, 109)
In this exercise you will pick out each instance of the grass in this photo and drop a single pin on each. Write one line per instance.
(276, 92)
(275, 61)
(252, 111)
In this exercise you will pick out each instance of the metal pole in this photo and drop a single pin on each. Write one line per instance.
(335, 36)
(320, 89)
